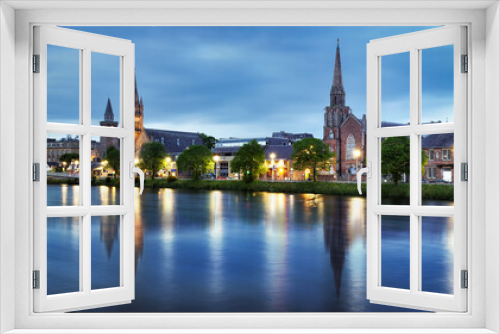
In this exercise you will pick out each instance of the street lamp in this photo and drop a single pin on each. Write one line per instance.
(217, 170)
(64, 166)
(169, 166)
(357, 154)
(272, 156)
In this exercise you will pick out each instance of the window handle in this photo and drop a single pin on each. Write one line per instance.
(362, 171)
(135, 170)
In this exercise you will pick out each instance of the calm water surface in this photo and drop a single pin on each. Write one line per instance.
(215, 251)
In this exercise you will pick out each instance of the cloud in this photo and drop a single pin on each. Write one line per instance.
(244, 81)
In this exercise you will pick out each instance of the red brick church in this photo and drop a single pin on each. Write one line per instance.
(343, 132)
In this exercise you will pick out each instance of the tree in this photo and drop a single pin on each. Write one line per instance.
(113, 158)
(250, 160)
(197, 159)
(153, 157)
(396, 157)
(208, 141)
(69, 157)
(313, 154)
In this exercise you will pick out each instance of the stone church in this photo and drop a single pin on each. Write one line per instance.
(343, 132)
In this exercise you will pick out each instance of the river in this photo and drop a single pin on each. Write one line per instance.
(220, 251)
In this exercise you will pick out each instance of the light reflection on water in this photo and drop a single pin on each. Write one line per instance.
(215, 251)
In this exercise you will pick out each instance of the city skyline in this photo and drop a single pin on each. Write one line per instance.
(246, 81)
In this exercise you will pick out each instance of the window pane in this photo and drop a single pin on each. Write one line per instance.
(437, 254)
(63, 85)
(63, 170)
(106, 158)
(105, 252)
(395, 232)
(395, 169)
(63, 255)
(437, 84)
(395, 90)
(105, 90)
(438, 174)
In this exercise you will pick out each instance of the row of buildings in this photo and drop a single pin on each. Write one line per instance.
(343, 132)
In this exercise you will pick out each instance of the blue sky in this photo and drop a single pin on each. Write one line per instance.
(248, 81)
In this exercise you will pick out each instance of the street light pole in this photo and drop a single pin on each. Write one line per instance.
(272, 156)
(357, 154)
(217, 170)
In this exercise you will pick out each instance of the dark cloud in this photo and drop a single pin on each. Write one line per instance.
(245, 81)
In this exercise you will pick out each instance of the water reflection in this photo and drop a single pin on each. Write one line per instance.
(258, 252)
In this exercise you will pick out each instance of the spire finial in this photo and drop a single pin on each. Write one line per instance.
(338, 42)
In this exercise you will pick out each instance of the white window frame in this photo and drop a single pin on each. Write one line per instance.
(482, 99)
(85, 43)
(414, 43)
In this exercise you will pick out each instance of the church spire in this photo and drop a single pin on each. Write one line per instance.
(108, 114)
(136, 92)
(337, 93)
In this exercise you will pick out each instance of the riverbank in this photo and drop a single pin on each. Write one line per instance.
(389, 190)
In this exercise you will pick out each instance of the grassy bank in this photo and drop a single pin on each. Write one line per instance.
(429, 191)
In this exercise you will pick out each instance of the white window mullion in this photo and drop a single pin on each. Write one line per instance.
(414, 177)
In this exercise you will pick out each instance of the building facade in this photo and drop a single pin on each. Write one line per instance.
(278, 150)
(343, 132)
(439, 149)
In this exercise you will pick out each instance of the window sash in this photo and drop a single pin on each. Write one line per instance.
(85, 297)
(413, 43)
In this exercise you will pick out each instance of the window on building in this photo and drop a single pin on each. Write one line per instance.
(431, 172)
(431, 155)
(351, 147)
(178, 142)
(162, 140)
(446, 155)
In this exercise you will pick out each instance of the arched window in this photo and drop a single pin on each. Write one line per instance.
(351, 147)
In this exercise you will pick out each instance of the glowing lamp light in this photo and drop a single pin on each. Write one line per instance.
(357, 153)
(216, 158)
(273, 156)
(136, 161)
(168, 159)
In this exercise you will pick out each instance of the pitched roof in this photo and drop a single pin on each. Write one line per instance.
(174, 141)
(438, 141)
(281, 151)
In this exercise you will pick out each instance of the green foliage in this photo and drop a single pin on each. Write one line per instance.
(400, 191)
(171, 178)
(197, 160)
(250, 161)
(113, 158)
(396, 157)
(68, 158)
(208, 141)
(311, 153)
(153, 157)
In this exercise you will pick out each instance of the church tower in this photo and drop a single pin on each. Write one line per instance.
(109, 120)
(109, 116)
(337, 113)
(140, 132)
